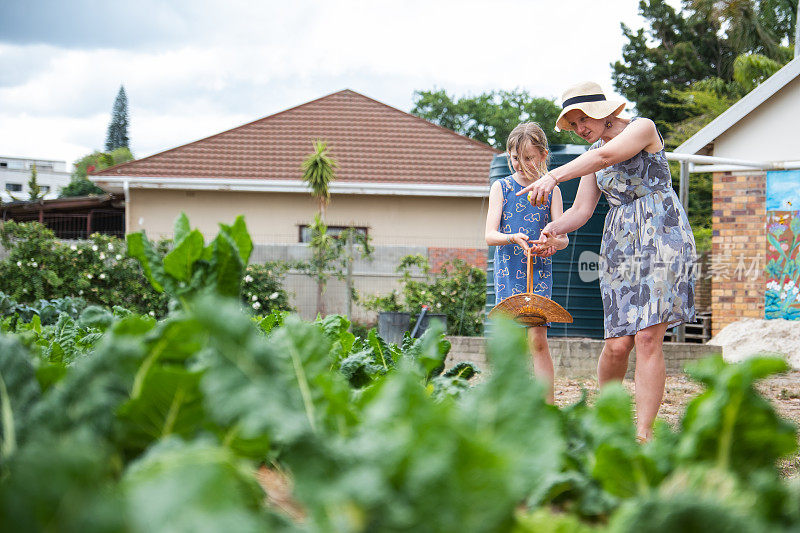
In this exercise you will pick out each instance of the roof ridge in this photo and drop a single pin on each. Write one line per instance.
(294, 108)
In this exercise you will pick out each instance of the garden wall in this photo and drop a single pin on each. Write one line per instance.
(577, 358)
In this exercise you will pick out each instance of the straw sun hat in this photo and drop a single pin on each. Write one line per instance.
(589, 98)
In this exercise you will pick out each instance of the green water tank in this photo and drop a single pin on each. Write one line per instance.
(575, 282)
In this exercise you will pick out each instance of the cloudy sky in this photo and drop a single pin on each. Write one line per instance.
(192, 68)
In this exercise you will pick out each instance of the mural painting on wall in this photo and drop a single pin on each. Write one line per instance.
(782, 295)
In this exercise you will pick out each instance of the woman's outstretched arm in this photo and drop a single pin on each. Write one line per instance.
(637, 136)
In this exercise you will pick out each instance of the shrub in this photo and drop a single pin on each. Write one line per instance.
(262, 288)
(458, 291)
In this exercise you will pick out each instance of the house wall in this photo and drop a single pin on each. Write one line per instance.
(738, 248)
(275, 217)
(768, 133)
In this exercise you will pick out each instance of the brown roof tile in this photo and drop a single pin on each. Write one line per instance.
(372, 142)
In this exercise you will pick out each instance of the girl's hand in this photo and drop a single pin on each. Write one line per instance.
(548, 251)
(520, 239)
(539, 190)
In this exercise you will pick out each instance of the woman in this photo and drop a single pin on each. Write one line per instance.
(647, 250)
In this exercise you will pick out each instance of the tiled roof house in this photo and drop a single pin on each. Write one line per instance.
(403, 179)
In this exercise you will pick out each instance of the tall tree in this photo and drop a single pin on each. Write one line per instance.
(490, 117)
(117, 136)
(34, 190)
(677, 49)
(319, 171)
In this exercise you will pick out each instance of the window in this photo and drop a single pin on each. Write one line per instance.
(3, 164)
(44, 189)
(14, 187)
(334, 231)
(44, 166)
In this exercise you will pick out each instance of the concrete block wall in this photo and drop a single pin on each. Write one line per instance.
(577, 358)
(738, 247)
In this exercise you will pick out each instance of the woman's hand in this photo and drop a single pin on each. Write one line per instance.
(547, 239)
(539, 190)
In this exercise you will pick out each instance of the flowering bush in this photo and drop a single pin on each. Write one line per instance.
(39, 266)
(262, 289)
(458, 291)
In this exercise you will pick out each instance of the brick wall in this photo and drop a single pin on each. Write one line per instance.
(473, 256)
(738, 248)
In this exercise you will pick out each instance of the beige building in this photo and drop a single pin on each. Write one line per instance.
(405, 182)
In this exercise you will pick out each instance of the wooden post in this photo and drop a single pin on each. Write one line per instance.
(89, 223)
(683, 192)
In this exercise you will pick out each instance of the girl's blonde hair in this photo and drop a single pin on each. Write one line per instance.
(529, 134)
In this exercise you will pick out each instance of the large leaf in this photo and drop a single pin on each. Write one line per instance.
(278, 387)
(730, 424)
(179, 261)
(239, 234)
(139, 248)
(226, 266)
(181, 228)
(169, 402)
(19, 391)
(194, 486)
(62, 483)
(511, 406)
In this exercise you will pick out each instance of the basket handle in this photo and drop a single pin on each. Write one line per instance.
(529, 280)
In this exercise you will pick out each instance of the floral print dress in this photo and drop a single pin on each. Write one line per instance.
(510, 270)
(647, 252)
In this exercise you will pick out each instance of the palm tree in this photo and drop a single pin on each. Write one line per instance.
(319, 170)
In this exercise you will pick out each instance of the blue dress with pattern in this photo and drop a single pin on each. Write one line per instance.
(510, 270)
(647, 252)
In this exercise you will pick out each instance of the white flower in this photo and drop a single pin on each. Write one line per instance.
(94, 248)
(102, 255)
(102, 276)
(152, 313)
(273, 295)
(255, 297)
(89, 276)
(80, 292)
(438, 305)
(256, 305)
(118, 257)
(73, 247)
(34, 264)
(111, 247)
(80, 251)
(248, 278)
(19, 263)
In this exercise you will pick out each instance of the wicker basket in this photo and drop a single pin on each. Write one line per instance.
(530, 309)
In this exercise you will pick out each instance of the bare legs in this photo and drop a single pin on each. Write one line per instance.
(649, 376)
(542, 362)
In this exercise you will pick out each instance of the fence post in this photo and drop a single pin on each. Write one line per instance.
(89, 223)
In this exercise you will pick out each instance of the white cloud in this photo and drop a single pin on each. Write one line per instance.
(229, 63)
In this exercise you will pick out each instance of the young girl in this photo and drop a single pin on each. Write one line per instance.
(512, 222)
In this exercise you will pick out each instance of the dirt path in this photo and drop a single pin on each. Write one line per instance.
(783, 391)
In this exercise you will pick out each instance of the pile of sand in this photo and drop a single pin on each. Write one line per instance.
(750, 336)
